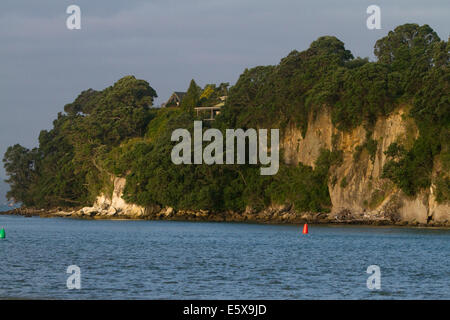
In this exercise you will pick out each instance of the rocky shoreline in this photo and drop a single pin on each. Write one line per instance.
(279, 215)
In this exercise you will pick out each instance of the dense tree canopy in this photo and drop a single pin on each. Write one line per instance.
(65, 169)
(115, 132)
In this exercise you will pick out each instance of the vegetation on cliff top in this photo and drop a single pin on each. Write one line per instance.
(115, 131)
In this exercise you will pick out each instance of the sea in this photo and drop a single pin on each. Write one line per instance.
(63, 258)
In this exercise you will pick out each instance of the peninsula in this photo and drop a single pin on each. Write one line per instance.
(360, 142)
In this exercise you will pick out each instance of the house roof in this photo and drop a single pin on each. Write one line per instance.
(176, 98)
(180, 94)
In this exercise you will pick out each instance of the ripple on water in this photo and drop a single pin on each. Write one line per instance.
(178, 260)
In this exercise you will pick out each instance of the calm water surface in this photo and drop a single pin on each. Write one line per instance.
(182, 260)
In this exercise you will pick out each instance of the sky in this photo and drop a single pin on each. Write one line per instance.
(44, 66)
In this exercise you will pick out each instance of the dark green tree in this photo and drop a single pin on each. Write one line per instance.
(191, 98)
(20, 165)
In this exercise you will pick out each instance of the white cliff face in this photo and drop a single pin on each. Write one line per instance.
(364, 192)
(115, 205)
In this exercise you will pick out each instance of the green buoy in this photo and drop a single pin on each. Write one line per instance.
(2, 233)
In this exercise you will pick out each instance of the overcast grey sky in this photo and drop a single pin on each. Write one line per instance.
(44, 65)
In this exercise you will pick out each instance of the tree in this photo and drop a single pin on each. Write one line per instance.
(65, 169)
(192, 97)
(20, 165)
(405, 44)
(409, 49)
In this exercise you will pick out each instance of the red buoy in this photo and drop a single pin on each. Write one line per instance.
(305, 229)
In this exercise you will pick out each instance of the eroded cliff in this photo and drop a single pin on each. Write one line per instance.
(357, 189)
(356, 185)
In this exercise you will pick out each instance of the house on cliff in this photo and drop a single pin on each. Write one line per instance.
(210, 109)
(175, 99)
(213, 110)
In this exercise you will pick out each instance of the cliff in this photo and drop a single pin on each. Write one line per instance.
(365, 197)
(365, 193)
(362, 141)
